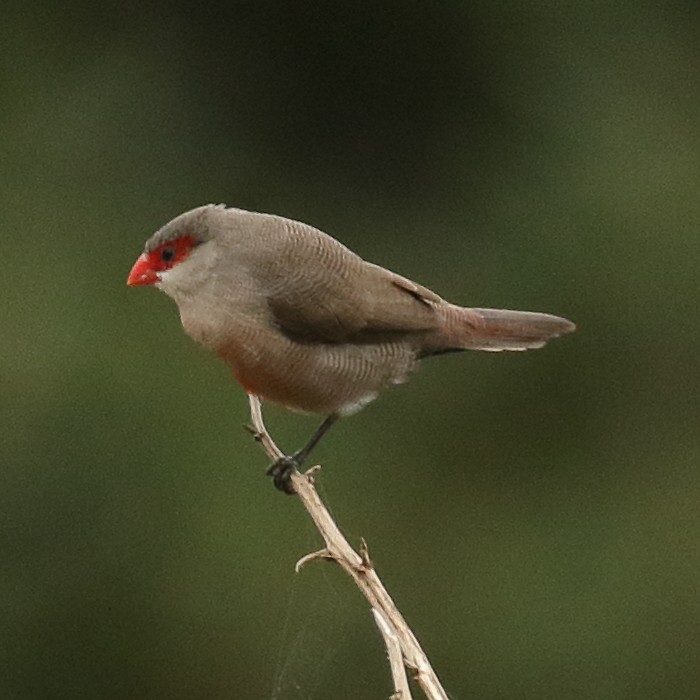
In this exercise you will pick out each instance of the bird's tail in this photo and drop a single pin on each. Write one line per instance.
(501, 329)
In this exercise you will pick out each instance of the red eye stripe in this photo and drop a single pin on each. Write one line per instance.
(146, 268)
(170, 253)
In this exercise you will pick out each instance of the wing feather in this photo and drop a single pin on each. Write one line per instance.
(331, 295)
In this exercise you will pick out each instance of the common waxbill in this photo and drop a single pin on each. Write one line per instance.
(303, 321)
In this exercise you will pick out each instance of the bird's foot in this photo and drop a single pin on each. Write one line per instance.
(281, 472)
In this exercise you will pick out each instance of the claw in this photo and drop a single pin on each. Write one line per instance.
(281, 472)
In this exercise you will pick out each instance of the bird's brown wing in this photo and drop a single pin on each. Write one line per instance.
(356, 302)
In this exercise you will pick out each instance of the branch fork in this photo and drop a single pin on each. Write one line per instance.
(403, 650)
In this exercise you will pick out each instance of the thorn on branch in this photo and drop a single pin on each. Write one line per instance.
(320, 554)
(310, 473)
(364, 555)
(257, 436)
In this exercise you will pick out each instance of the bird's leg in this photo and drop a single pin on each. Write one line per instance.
(282, 469)
(301, 455)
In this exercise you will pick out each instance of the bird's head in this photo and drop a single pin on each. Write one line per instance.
(175, 258)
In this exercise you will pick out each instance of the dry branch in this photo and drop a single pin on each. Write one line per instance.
(402, 690)
(359, 567)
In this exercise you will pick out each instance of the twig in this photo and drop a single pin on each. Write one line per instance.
(360, 568)
(393, 648)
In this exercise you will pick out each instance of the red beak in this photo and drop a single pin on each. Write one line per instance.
(142, 272)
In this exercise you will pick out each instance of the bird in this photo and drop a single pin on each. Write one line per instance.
(304, 322)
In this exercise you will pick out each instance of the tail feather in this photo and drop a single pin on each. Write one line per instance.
(501, 329)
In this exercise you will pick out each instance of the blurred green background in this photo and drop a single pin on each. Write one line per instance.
(536, 516)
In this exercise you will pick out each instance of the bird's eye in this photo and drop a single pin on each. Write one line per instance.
(167, 254)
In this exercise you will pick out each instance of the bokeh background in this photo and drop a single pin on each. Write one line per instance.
(536, 516)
